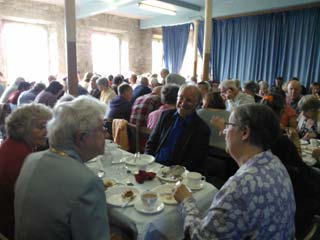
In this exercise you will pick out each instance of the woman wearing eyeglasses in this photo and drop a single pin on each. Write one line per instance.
(258, 201)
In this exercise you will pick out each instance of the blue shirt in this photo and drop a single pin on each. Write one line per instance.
(256, 203)
(164, 156)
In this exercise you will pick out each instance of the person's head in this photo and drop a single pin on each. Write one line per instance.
(54, 87)
(294, 89)
(125, 90)
(188, 100)
(263, 88)
(315, 89)
(279, 82)
(52, 78)
(24, 86)
(213, 100)
(169, 93)
(144, 81)
(93, 81)
(65, 98)
(275, 101)
(204, 87)
(164, 72)
(228, 89)
(175, 78)
(117, 80)
(103, 84)
(156, 91)
(133, 79)
(87, 76)
(78, 125)
(28, 124)
(309, 106)
(38, 87)
(251, 88)
(18, 81)
(251, 126)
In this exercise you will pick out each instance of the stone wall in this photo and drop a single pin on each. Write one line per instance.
(52, 16)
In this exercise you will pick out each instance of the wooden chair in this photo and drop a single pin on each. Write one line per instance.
(138, 137)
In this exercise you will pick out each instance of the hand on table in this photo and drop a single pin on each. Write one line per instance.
(181, 193)
(316, 153)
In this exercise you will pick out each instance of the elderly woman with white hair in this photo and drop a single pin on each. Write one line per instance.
(26, 130)
(58, 175)
(257, 202)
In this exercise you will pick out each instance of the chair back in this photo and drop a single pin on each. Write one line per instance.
(138, 137)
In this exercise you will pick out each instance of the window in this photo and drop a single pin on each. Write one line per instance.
(188, 61)
(26, 51)
(157, 56)
(109, 54)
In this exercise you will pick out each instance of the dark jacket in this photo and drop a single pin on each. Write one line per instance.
(139, 91)
(119, 108)
(192, 146)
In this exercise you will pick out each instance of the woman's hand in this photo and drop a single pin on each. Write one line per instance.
(309, 135)
(316, 153)
(181, 193)
(218, 122)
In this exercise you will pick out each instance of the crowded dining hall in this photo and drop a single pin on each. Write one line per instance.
(159, 120)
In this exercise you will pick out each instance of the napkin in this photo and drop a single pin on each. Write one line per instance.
(144, 176)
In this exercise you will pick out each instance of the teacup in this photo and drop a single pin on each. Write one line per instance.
(195, 179)
(149, 199)
(313, 142)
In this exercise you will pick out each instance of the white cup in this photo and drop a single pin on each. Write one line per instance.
(314, 142)
(195, 179)
(149, 199)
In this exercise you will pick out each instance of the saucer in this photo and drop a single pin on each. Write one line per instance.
(193, 187)
(140, 208)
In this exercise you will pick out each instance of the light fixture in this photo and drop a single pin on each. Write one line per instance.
(157, 6)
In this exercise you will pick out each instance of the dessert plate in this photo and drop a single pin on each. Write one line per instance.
(120, 196)
(136, 161)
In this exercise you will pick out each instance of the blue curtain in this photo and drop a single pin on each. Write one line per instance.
(262, 47)
(175, 39)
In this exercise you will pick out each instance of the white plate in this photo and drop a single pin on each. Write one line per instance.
(160, 175)
(108, 183)
(144, 159)
(114, 196)
(140, 208)
(165, 193)
(303, 142)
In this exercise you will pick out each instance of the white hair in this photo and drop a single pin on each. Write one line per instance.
(229, 84)
(81, 114)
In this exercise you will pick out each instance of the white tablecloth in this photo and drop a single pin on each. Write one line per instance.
(164, 225)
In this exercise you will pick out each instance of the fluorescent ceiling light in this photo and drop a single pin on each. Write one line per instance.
(157, 6)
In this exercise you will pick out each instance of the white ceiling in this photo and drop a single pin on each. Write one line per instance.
(186, 9)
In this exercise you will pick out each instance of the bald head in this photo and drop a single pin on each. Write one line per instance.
(294, 89)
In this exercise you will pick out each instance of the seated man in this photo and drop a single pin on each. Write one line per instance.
(120, 106)
(181, 136)
(143, 105)
(56, 195)
(232, 95)
(294, 94)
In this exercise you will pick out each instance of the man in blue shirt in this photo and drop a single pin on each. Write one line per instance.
(180, 136)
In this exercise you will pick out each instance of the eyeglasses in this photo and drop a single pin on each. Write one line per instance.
(227, 124)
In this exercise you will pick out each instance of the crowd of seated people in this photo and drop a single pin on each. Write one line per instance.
(187, 122)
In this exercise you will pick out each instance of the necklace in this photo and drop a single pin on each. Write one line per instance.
(61, 153)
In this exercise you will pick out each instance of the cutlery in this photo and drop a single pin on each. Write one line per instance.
(125, 204)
